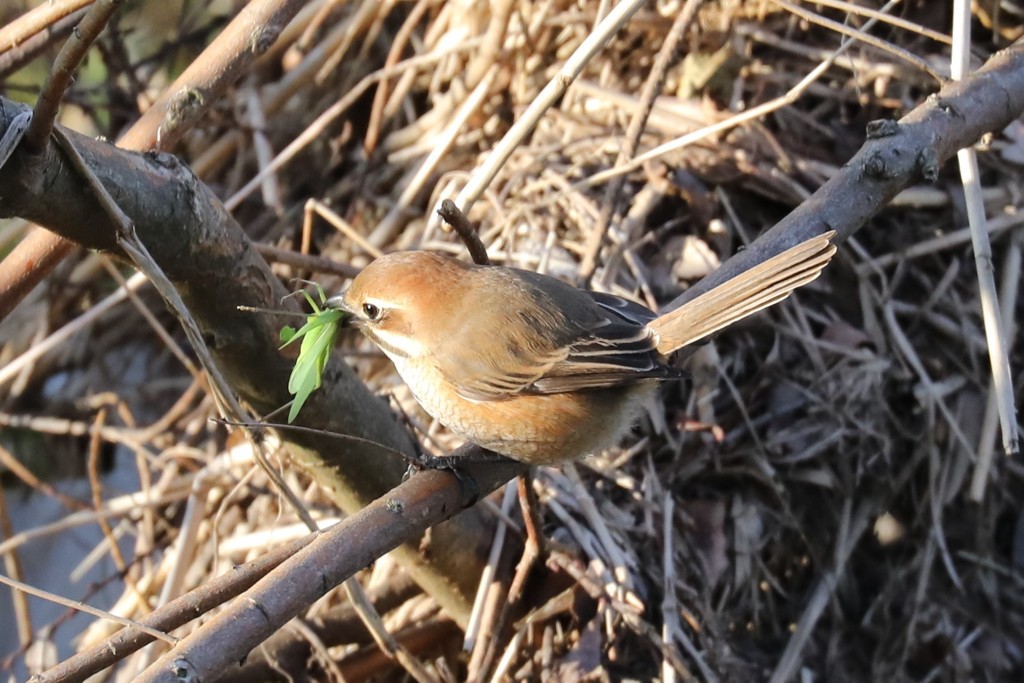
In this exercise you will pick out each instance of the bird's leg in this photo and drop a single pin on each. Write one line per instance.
(455, 464)
(477, 456)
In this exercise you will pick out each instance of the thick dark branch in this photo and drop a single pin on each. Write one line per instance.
(215, 268)
(247, 37)
(212, 263)
(895, 156)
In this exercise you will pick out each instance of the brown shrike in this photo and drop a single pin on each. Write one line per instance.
(533, 368)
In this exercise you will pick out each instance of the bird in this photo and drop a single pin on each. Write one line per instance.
(531, 367)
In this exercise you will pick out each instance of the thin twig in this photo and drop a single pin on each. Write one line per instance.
(169, 617)
(315, 129)
(329, 215)
(862, 36)
(12, 563)
(652, 88)
(88, 609)
(11, 369)
(388, 644)
(534, 547)
(1009, 289)
(169, 343)
(484, 622)
(947, 240)
(71, 55)
(35, 20)
(28, 478)
(886, 17)
(316, 264)
(791, 96)
(396, 216)
(465, 230)
(93, 470)
(249, 34)
(261, 145)
(380, 96)
(554, 89)
(494, 41)
(998, 353)
(14, 58)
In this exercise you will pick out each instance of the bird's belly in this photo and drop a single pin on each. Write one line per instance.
(537, 429)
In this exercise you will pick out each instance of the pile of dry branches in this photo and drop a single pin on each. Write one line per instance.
(820, 500)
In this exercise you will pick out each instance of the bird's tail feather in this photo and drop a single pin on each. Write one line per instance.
(752, 290)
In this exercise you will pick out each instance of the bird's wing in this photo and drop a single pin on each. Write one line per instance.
(607, 346)
(490, 377)
(620, 348)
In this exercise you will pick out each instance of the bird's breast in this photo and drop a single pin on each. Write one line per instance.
(540, 429)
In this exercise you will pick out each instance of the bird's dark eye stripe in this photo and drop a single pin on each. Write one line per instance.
(384, 346)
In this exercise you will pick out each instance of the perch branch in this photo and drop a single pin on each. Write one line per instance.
(426, 499)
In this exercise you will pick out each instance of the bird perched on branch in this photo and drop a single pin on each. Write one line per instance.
(533, 368)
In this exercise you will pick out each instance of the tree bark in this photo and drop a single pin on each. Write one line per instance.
(215, 267)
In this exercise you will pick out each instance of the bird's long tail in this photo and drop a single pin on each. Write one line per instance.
(752, 290)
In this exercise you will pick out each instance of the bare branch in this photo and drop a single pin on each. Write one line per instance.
(71, 55)
(465, 230)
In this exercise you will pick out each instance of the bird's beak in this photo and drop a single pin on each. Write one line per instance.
(337, 302)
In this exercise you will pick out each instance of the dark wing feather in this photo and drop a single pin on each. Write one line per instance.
(615, 348)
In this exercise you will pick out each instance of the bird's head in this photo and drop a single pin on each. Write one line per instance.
(402, 299)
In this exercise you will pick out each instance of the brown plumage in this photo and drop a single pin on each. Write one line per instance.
(531, 367)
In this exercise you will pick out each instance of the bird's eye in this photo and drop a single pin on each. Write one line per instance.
(371, 312)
